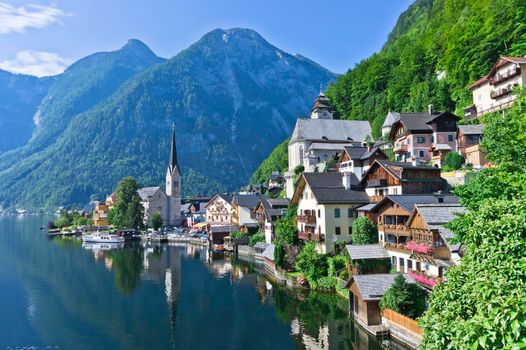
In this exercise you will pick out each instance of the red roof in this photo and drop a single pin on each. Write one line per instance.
(478, 82)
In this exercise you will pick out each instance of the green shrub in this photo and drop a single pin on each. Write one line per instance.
(405, 298)
(236, 234)
(453, 161)
(257, 237)
(364, 231)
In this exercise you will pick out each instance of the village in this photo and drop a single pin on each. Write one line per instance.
(374, 213)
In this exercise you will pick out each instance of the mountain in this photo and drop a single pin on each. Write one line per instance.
(20, 96)
(83, 85)
(232, 97)
(436, 49)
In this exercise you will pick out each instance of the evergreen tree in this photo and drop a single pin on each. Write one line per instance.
(405, 298)
(364, 231)
(157, 221)
(128, 211)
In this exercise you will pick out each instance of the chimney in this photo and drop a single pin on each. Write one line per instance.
(346, 180)
(430, 109)
(439, 196)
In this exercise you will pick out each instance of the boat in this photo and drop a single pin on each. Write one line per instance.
(102, 246)
(102, 237)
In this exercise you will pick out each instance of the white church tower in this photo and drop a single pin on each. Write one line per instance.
(173, 186)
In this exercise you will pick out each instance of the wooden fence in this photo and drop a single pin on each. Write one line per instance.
(402, 321)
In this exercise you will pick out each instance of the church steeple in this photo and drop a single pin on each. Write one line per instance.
(173, 152)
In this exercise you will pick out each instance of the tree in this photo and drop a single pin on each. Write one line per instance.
(312, 264)
(405, 298)
(257, 237)
(286, 229)
(453, 161)
(157, 220)
(128, 211)
(364, 231)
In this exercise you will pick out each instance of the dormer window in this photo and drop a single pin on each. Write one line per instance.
(349, 139)
(324, 138)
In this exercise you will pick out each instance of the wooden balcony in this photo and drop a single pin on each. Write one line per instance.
(309, 236)
(400, 149)
(399, 230)
(375, 198)
(377, 183)
(501, 92)
(505, 76)
(397, 248)
(307, 219)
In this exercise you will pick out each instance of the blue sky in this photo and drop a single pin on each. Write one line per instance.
(42, 37)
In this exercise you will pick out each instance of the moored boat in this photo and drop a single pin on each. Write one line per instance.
(102, 237)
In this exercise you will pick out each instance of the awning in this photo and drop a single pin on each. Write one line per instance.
(199, 225)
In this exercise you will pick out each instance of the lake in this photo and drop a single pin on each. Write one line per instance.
(57, 294)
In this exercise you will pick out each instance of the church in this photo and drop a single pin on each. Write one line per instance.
(168, 202)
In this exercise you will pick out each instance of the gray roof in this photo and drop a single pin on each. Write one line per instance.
(367, 251)
(328, 188)
(268, 253)
(442, 147)
(147, 192)
(392, 168)
(367, 207)
(224, 228)
(476, 129)
(247, 200)
(439, 214)
(278, 202)
(327, 146)
(333, 130)
(390, 119)
(373, 287)
(420, 121)
(261, 245)
(408, 201)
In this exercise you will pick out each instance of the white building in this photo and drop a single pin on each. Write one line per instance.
(319, 138)
(493, 92)
(326, 208)
(219, 210)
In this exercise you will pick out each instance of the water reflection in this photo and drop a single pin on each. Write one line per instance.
(151, 296)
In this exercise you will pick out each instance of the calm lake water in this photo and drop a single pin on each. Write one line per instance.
(58, 294)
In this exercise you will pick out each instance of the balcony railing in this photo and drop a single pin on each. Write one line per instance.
(399, 230)
(500, 92)
(505, 76)
(400, 149)
(504, 105)
(420, 248)
(377, 183)
(375, 198)
(424, 279)
(309, 236)
(401, 248)
(307, 219)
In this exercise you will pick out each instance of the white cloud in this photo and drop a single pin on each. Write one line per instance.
(18, 19)
(39, 63)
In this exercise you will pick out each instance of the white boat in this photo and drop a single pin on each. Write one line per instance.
(102, 237)
(102, 246)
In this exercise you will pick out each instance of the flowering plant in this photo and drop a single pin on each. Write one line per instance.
(419, 248)
(423, 279)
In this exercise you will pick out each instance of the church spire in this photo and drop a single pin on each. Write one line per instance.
(173, 151)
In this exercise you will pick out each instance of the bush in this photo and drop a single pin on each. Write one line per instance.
(236, 234)
(364, 231)
(327, 283)
(453, 161)
(157, 221)
(337, 266)
(312, 264)
(257, 237)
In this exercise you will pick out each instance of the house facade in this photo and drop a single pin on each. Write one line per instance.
(494, 91)
(219, 210)
(394, 178)
(468, 144)
(244, 210)
(326, 208)
(358, 159)
(268, 211)
(319, 138)
(422, 138)
(100, 214)
(154, 200)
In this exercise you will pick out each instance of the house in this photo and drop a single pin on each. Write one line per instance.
(318, 138)
(326, 208)
(416, 136)
(100, 214)
(368, 258)
(219, 210)
(468, 144)
(268, 211)
(384, 178)
(244, 211)
(494, 91)
(428, 250)
(388, 123)
(358, 159)
(168, 202)
(393, 213)
(193, 212)
(275, 180)
(217, 233)
(365, 293)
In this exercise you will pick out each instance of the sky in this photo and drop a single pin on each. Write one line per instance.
(42, 37)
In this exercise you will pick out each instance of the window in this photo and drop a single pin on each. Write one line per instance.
(421, 139)
(319, 230)
(393, 260)
(450, 138)
(395, 190)
(408, 141)
(418, 266)
(319, 213)
(421, 154)
(350, 230)
(401, 262)
(338, 231)
(350, 213)
(337, 212)
(410, 264)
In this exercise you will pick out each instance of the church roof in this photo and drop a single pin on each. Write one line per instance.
(173, 152)
(330, 130)
(146, 192)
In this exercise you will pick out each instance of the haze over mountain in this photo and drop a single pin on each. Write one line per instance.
(232, 96)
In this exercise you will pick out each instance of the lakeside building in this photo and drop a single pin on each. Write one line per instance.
(244, 211)
(468, 144)
(326, 208)
(219, 210)
(268, 211)
(100, 214)
(318, 138)
(422, 138)
(168, 202)
(494, 91)
(391, 178)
